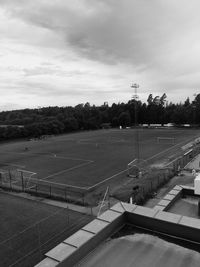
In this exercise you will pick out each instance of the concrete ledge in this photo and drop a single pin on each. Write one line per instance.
(128, 207)
(190, 222)
(174, 192)
(178, 188)
(169, 197)
(164, 203)
(144, 211)
(60, 252)
(101, 230)
(79, 238)
(95, 226)
(118, 207)
(168, 216)
(47, 262)
(158, 207)
(109, 215)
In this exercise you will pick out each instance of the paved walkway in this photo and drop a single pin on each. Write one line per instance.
(86, 210)
(194, 164)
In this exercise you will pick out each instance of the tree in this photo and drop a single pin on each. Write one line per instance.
(150, 99)
(125, 119)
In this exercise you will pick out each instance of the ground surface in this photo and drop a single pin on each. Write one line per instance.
(187, 206)
(141, 250)
(31, 228)
(88, 158)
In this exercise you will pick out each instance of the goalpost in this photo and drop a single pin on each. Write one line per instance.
(165, 140)
(26, 178)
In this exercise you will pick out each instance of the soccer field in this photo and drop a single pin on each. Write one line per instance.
(30, 228)
(84, 160)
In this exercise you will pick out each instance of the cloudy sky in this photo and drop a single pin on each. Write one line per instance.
(64, 52)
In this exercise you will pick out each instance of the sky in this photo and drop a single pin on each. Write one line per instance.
(64, 52)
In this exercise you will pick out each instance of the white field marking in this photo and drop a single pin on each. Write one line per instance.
(102, 143)
(25, 171)
(64, 185)
(172, 161)
(45, 155)
(66, 170)
(107, 179)
(61, 157)
(10, 152)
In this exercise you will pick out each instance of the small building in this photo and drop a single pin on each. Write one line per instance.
(197, 185)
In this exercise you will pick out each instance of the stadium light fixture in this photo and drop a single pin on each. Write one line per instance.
(136, 97)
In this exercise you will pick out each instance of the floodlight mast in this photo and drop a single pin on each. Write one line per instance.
(135, 97)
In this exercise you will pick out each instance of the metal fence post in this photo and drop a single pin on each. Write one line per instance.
(22, 177)
(10, 180)
(50, 190)
(65, 194)
(83, 197)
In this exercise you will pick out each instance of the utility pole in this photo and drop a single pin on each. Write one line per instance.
(135, 97)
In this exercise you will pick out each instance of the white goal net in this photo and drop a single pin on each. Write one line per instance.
(26, 177)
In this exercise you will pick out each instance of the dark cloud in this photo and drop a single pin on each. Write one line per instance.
(108, 31)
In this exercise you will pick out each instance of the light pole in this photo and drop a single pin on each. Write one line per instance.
(135, 97)
(194, 111)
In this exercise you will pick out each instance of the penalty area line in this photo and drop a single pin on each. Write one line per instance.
(66, 170)
(107, 179)
(65, 185)
(61, 157)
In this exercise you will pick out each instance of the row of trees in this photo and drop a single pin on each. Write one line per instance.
(56, 120)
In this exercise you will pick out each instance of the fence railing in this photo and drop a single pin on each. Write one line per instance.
(16, 181)
(26, 248)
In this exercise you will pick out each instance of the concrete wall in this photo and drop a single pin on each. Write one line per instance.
(76, 247)
(93, 242)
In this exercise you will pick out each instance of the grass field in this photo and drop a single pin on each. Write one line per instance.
(31, 228)
(86, 159)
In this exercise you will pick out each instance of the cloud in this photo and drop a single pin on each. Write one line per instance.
(81, 48)
(110, 31)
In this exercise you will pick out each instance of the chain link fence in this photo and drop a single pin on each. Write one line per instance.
(22, 181)
(141, 188)
(28, 247)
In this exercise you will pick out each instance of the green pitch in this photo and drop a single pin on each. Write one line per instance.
(86, 159)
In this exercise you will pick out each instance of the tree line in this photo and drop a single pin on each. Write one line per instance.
(57, 120)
